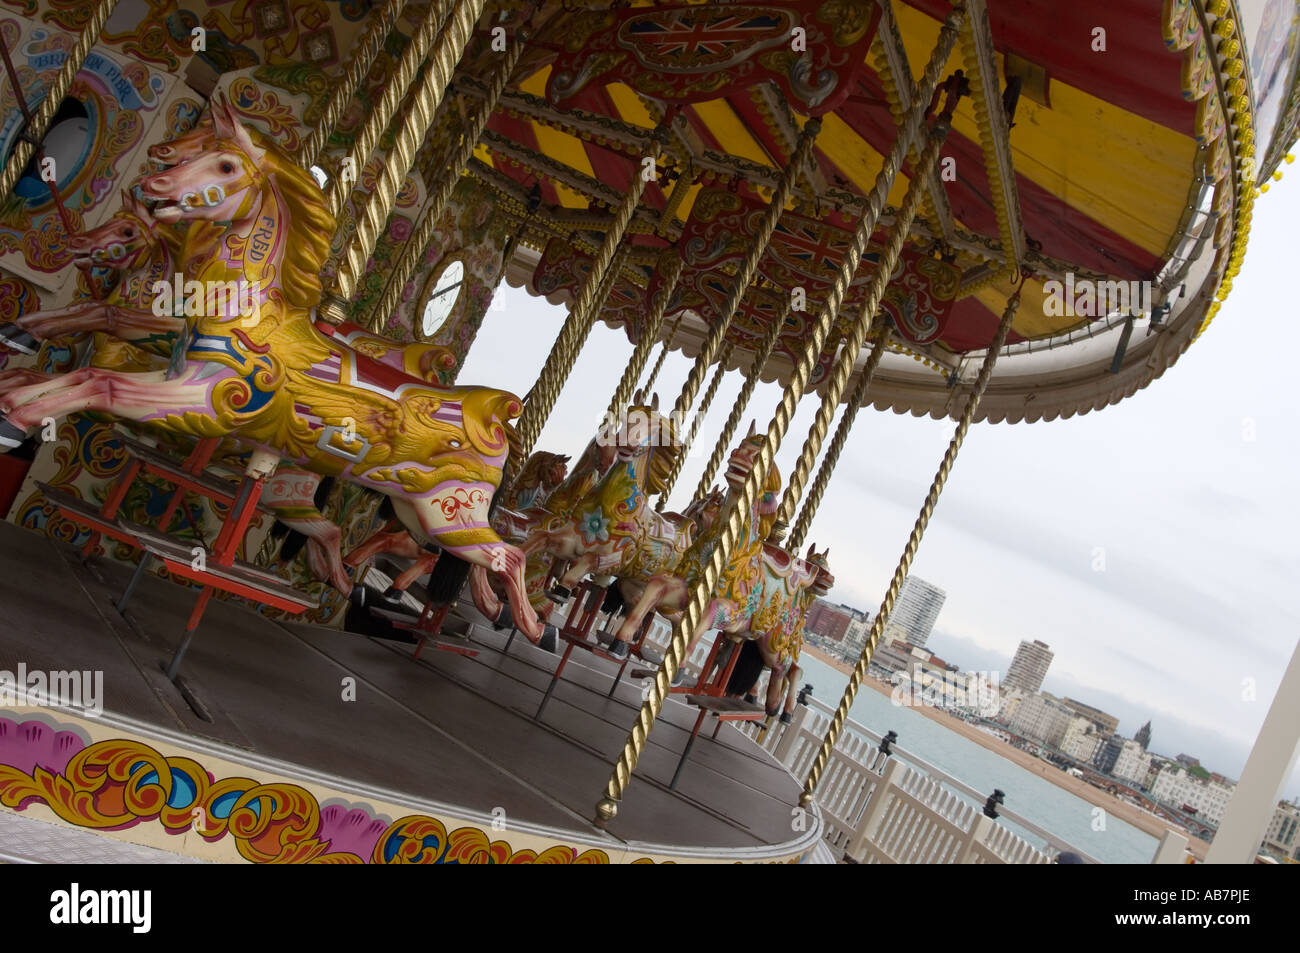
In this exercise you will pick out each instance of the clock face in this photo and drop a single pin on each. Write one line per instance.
(443, 298)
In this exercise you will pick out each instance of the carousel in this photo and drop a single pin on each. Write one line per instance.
(282, 587)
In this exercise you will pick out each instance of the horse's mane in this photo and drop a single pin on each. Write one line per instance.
(309, 244)
(669, 448)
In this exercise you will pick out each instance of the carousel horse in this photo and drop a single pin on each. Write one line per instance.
(271, 378)
(775, 629)
(613, 531)
(130, 245)
(739, 589)
(541, 474)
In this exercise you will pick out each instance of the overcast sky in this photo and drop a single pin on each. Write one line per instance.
(1187, 490)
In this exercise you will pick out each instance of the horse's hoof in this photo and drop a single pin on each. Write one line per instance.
(772, 712)
(618, 649)
(392, 595)
(11, 437)
(679, 677)
(786, 718)
(751, 699)
(550, 639)
(505, 618)
(18, 339)
(650, 655)
(605, 637)
(559, 594)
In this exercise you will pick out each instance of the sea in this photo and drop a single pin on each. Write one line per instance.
(1068, 817)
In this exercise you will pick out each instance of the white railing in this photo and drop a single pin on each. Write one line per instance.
(902, 809)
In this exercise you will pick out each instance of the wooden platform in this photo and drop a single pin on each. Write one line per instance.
(448, 735)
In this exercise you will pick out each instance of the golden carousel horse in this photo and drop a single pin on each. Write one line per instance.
(270, 377)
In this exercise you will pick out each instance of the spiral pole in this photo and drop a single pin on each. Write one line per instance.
(367, 49)
(649, 333)
(818, 487)
(663, 353)
(408, 64)
(909, 552)
(25, 147)
(852, 345)
(745, 275)
(410, 133)
(418, 241)
(736, 509)
(770, 337)
(541, 399)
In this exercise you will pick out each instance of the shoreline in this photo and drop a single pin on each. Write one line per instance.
(1112, 805)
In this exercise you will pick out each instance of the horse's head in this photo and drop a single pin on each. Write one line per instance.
(743, 459)
(645, 431)
(220, 182)
(554, 468)
(119, 242)
(183, 148)
(705, 510)
(822, 578)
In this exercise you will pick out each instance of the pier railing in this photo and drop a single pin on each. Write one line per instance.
(899, 808)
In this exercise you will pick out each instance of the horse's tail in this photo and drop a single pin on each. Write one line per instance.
(450, 573)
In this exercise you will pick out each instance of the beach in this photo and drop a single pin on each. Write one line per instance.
(1113, 806)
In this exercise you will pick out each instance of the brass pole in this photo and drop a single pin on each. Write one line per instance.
(818, 487)
(848, 354)
(541, 399)
(341, 184)
(649, 333)
(25, 147)
(736, 509)
(705, 402)
(368, 47)
(742, 401)
(410, 133)
(909, 551)
(659, 361)
(740, 284)
(418, 241)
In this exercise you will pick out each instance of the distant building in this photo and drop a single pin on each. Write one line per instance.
(1283, 834)
(1108, 753)
(1082, 739)
(1108, 724)
(1029, 667)
(915, 612)
(1041, 718)
(829, 621)
(855, 636)
(1131, 762)
(1143, 737)
(1177, 788)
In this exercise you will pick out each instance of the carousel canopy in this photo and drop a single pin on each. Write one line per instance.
(1110, 151)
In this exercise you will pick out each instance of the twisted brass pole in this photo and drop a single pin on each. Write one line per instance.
(736, 509)
(367, 48)
(649, 333)
(818, 487)
(418, 241)
(25, 147)
(408, 64)
(729, 428)
(706, 401)
(852, 345)
(541, 399)
(410, 133)
(748, 270)
(659, 361)
(909, 551)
